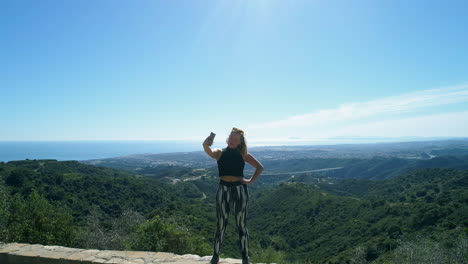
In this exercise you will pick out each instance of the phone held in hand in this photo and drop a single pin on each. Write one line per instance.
(212, 136)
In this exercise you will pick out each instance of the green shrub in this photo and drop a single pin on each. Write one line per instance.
(157, 234)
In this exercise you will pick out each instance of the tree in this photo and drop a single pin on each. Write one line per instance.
(34, 220)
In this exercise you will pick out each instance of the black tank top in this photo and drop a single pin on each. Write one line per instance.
(231, 163)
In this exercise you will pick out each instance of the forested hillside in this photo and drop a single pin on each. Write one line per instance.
(375, 168)
(311, 223)
(73, 204)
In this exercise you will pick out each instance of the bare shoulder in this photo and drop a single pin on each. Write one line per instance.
(217, 153)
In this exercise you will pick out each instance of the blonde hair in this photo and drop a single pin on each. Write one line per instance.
(242, 147)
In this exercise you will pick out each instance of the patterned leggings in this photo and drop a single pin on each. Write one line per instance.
(237, 194)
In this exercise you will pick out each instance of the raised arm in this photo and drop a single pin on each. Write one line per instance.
(212, 153)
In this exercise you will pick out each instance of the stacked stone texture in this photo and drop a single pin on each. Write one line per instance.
(104, 256)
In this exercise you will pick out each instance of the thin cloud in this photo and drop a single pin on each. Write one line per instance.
(454, 124)
(359, 111)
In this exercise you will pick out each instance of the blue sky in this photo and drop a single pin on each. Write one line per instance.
(282, 70)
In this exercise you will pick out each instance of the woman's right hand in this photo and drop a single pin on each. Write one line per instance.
(208, 141)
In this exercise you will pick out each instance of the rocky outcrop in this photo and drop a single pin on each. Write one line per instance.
(77, 255)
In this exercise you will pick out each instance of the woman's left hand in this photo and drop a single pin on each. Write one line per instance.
(246, 181)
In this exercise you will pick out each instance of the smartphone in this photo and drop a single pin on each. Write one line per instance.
(212, 135)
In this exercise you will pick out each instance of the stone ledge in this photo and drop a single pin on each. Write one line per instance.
(104, 256)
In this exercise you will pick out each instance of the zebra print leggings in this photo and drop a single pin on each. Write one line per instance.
(233, 194)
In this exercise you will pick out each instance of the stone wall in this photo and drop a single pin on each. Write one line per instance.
(37, 253)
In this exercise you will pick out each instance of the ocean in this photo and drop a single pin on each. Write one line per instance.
(84, 150)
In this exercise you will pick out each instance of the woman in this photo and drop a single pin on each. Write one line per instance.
(232, 188)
